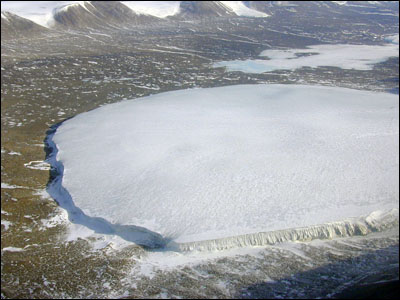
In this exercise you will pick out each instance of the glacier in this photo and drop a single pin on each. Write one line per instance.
(233, 166)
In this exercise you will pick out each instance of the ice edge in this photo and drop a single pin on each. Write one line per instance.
(135, 234)
(376, 221)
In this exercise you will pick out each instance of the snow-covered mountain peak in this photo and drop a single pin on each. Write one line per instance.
(39, 12)
(242, 10)
(159, 9)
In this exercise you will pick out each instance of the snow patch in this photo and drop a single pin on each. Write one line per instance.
(11, 186)
(61, 218)
(43, 194)
(12, 249)
(14, 153)
(6, 224)
(38, 165)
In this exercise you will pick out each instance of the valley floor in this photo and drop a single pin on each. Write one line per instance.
(45, 81)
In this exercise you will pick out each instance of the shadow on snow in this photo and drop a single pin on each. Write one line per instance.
(138, 235)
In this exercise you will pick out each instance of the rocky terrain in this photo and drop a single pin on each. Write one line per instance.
(95, 53)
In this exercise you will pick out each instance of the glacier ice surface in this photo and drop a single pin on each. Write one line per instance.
(204, 164)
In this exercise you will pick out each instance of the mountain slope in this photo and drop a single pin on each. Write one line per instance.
(13, 26)
(203, 9)
(240, 9)
(98, 15)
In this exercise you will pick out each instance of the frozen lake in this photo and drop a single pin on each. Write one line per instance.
(212, 163)
(359, 57)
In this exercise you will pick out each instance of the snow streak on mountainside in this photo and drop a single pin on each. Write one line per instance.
(242, 10)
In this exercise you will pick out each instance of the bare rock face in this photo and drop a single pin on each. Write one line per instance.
(13, 26)
(203, 9)
(98, 15)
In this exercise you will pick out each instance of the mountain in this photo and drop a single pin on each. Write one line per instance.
(102, 15)
(160, 9)
(13, 26)
(99, 15)
(203, 9)
(333, 19)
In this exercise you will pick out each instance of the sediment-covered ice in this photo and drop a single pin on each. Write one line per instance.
(247, 160)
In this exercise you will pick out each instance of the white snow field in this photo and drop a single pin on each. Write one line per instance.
(359, 57)
(243, 165)
(160, 9)
(40, 12)
(240, 9)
